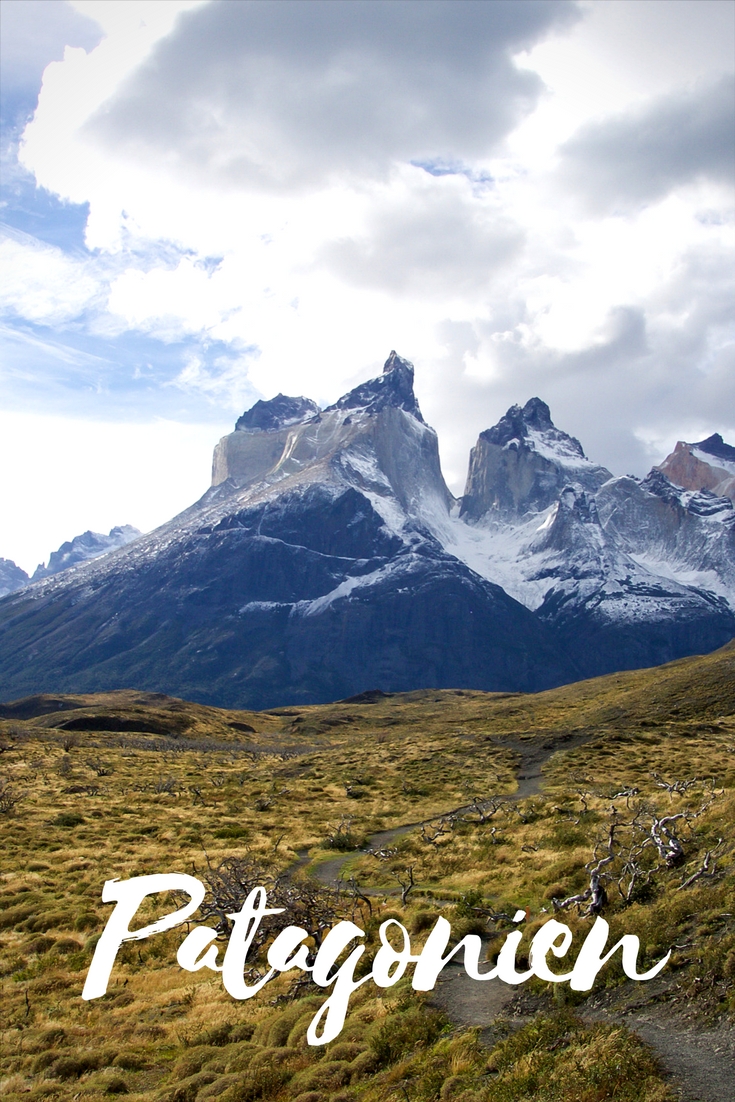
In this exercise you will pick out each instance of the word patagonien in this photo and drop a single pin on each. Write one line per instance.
(289, 950)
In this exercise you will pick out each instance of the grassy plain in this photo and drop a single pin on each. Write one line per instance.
(123, 784)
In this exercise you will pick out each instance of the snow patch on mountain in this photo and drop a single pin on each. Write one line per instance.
(714, 461)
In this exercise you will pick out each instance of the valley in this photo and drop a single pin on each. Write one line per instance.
(512, 797)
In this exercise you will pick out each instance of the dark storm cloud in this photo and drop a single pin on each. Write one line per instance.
(295, 93)
(634, 159)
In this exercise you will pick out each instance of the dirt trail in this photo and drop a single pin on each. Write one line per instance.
(533, 755)
(699, 1064)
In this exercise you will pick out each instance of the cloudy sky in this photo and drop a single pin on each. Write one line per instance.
(208, 202)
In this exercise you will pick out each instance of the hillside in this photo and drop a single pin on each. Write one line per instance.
(509, 793)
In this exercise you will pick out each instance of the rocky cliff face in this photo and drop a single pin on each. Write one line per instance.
(522, 464)
(373, 438)
(708, 465)
(328, 558)
(624, 573)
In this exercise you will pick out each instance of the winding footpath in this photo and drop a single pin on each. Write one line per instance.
(699, 1064)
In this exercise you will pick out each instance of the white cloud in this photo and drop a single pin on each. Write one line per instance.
(74, 475)
(249, 180)
(172, 302)
(41, 283)
(294, 95)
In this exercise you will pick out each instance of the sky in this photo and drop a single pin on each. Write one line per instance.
(206, 202)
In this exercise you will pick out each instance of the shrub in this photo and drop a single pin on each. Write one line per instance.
(193, 1061)
(218, 1035)
(41, 945)
(116, 1085)
(328, 1075)
(87, 921)
(13, 916)
(71, 1067)
(422, 920)
(50, 1037)
(68, 819)
(363, 1065)
(262, 1082)
(344, 1050)
(130, 1059)
(43, 1061)
(66, 945)
(188, 1089)
(403, 1032)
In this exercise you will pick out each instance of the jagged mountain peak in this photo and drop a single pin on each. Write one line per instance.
(276, 413)
(522, 464)
(703, 502)
(395, 362)
(12, 577)
(365, 440)
(89, 545)
(715, 446)
(707, 465)
(394, 388)
(531, 426)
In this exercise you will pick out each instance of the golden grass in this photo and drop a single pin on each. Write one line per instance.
(156, 785)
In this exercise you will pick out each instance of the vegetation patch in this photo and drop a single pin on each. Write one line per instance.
(631, 818)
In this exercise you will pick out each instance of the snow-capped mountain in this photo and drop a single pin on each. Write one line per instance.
(329, 557)
(708, 465)
(90, 545)
(12, 577)
(523, 463)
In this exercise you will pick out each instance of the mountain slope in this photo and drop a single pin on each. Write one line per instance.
(312, 578)
(329, 558)
(708, 465)
(624, 573)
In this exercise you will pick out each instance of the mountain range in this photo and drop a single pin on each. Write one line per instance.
(89, 545)
(329, 558)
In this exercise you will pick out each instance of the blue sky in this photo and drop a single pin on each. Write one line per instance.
(204, 203)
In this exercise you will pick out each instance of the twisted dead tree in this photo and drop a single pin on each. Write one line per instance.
(637, 849)
(305, 903)
(436, 829)
(678, 788)
(406, 882)
(10, 797)
(480, 812)
(341, 837)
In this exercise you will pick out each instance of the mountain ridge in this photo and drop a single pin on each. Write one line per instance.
(329, 558)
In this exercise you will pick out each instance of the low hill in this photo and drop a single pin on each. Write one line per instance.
(450, 803)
